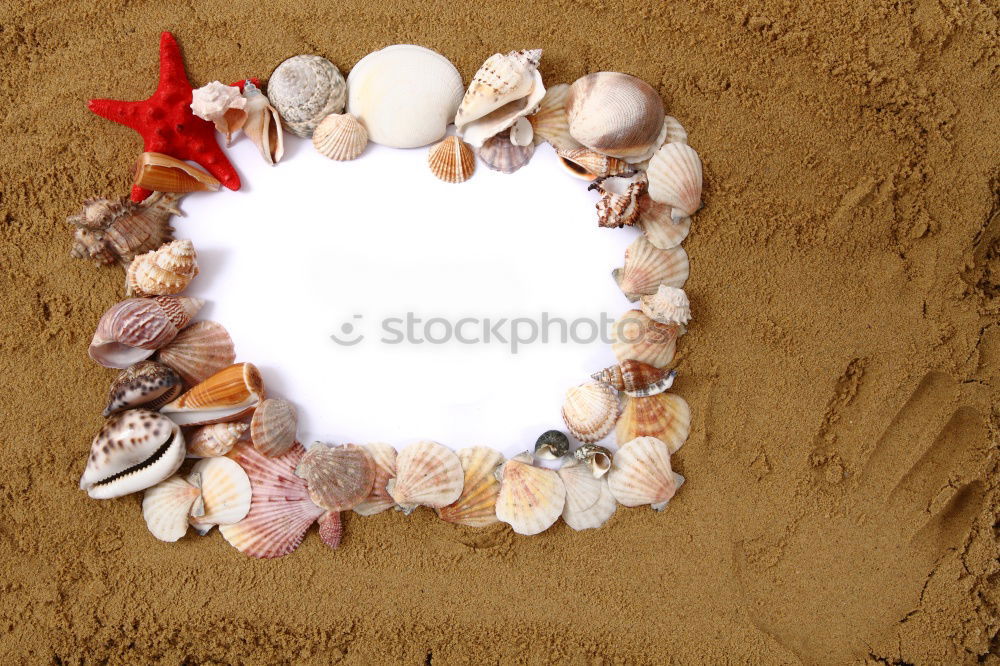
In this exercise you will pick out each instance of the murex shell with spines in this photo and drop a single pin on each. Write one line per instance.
(116, 231)
(305, 89)
(145, 384)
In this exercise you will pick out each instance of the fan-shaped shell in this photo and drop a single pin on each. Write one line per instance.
(167, 506)
(404, 76)
(273, 427)
(263, 125)
(452, 160)
(615, 114)
(675, 178)
(162, 272)
(225, 491)
(340, 137)
(338, 477)
(596, 515)
(665, 416)
(199, 351)
(499, 154)
(507, 87)
(641, 474)
(637, 337)
(583, 489)
(588, 164)
(590, 411)
(669, 305)
(476, 507)
(550, 123)
(619, 202)
(636, 378)
(144, 384)
(531, 499)
(228, 395)
(109, 231)
(647, 267)
(378, 499)
(597, 458)
(427, 474)
(305, 89)
(216, 439)
(658, 224)
(130, 331)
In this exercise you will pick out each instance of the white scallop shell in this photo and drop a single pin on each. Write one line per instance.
(427, 474)
(225, 491)
(590, 411)
(596, 515)
(305, 89)
(167, 506)
(657, 222)
(531, 498)
(675, 178)
(636, 337)
(647, 267)
(583, 489)
(641, 474)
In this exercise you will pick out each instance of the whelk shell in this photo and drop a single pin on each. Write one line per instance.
(144, 384)
(665, 416)
(131, 330)
(669, 305)
(163, 173)
(134, 450)
(225, 492)
(595, 516)
(476, 506)
(590, 411)
(637, 337)
(507, 87)
(531, 499)
(115, 231)
(216, 439)
(619, 202)
(658, 224)
(378, 499)
(163, 272)
(597, 458)
(452, 160)
(199, 351)
(636, 378)
(263, 125)
(587, 164)
(222, 105)
(273, 427)
(167, 506)
(675, 178)
(550, 123)
(647, 267)
(305, 89)
(340, 137)
(641, 474)
(228, 395)
(499, 154)
(615, 114)
(404, 76)
(338, 477)
(551, 445)
(427, 474)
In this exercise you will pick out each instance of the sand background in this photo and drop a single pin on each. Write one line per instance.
(846, 280)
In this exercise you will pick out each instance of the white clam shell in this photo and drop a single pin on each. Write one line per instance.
(305, 89)
(167, 506)
(675, 177)
(594, 516)
(641, 474)
(616, 114)
(225, 491)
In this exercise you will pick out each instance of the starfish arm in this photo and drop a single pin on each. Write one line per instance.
(171, 64)
(123, 113)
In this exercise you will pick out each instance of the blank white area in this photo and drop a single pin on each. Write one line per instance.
(307, 244)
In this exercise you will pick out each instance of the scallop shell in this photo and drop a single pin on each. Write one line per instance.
(263, 125)
(199, 351)
(338, 477)
(228, 395)
(641, 474)
(305, 89)
(378, 500)
(404, 77)
(619, 202)
(506, 88)
(550, 123)
(222, 105)
(647, 267)
(145, 384)
(130, 331)
(597, 458)
(163, 173)
(615, 114)
(659, 226)
(583, 489)
(225, 491)
(636, 378)
(675, 178)
(163, 272)
(452, 160)
(587, 164)
(216, 439)
(499, 154)
(476, 507)
(340, 137)
(331, 529)
(531, 499)
(665, 416)
(669, 305)
(280, 508)
(116, 231)
(273, 427)
(596, 515)
(167, 506)
(551, 445)
(590, 411)
(427, 474)
(637, 337)
(134, 450)
(673, 131)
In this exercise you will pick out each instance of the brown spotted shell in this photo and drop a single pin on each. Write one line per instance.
(144, 384)
(338, 477)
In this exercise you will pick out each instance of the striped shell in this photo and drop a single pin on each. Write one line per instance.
(588, 164)
(273, 427)
(476, 507)
(216, 439)
(225, 492)
(590, 411)
(619, 202)
(452, 160)
(378, 500)
(675, 178)
(199, 351)
(427, 474)
(531, 499)
(636, 337)
(615, 114)
(647, 267)
(641, 474)
(130, 331)
(665, 416)
(145, 384)
(583, 489)
(658, 224)
(338, 477)
(499, 154)
(167, 506)
(228, 395)
(550, 123)
(162, 272)
(673, 132)
(636, 378)
(340, 137)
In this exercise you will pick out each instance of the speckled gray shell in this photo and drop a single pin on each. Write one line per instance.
(305, 89)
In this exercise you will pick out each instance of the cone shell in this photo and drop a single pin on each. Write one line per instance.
(378, 500)
(263, 125)
(452, 160)
(506, 88)
(669, 305)
(340, 137)
(619, 202)
(636, 378)
(427, 474)
(637, 337)
(531, 499)
(590, 411)
(130, 331)
(338, 477)
(163, 173)
(476, 507)
(583, 489)
(280, 508)
(647, 267)
(597, 515)
(615, 114)
(499, 154)
(658, 224)
(199, 351)
(168, 270)
(305, 89)
(225, 491)
(167, 506)
(550, 123)
(597, 458)
(228, 395)
(213, 440)
(116, 231)
(145, 384)
(274, 426)
(675, 178)
(588, 164)
(665, 416)
(641, 473)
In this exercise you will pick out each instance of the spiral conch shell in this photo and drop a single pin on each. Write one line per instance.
(596, 458)
(216, 439)
(590, 411)
(130, 331)
(615, 114)
(665, 416)
(636, 378)
(452, 160)
(647, 267)
(619, 203)
(378, 500)
(116, 231)
(305, 89)
(675, 178)
(340, 137)
(228, 395)
(199, 351)
(263, 125)
(145, 384)
(507, 87)
(531, 499)
(338, 477)
(427, 474)
(163, 272)
(222, 105)
(641, 474)
(637, 337)
(669, 305)
(476, 507)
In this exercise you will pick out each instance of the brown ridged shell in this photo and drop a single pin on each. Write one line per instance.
(338, 477)
(452, 160)
(273, 427)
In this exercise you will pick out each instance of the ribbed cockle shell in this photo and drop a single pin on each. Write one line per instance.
(658, 224)
(130, 331)
(340, 136)
(452, 160)
(590, 411)
(499, 154)
(228, 395)
(665, 416)
(641, 474)
(273, 427)
(647, 267)
(637, 337)
(675, 178)
(199, 351)
(338, 477)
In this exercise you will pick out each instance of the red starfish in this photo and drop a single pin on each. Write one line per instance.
(166, 123)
